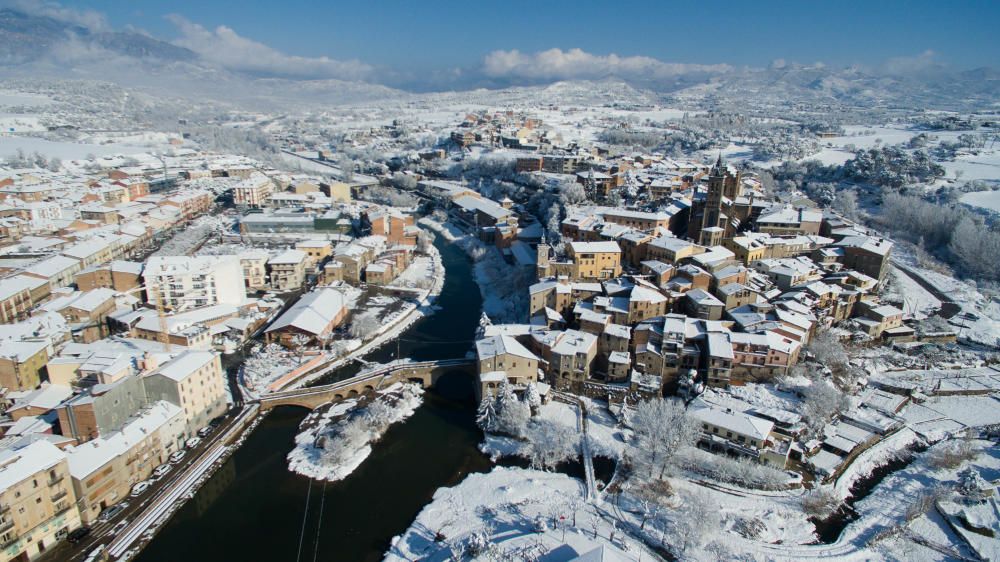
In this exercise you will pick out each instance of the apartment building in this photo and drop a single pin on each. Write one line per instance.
(118, 275)
(585, 261)
(57, 270)
(397, 228)
(184, 282)
(15, 299)
(101, 409)
(104, 469)
(253, 191)
(287, 270)
(866, 254)
(254, 265)
(194, 381)
(22, 364)
(37, 500)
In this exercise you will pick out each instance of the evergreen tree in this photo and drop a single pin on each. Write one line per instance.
(486, 416)
(533, 398)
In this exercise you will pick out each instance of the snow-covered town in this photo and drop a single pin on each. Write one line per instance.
(562, 306)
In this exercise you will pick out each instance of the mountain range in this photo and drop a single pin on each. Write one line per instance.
(40, 46)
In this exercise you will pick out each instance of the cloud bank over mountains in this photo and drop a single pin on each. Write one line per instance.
(577, 64)
(43, 38)
(230, 50)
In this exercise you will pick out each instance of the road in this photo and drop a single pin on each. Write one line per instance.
(138, 507)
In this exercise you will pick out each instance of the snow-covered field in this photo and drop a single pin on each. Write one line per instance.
(513, 514)
(985, 199)
(17, 123)
(606, 437)
(337, 440)
(23, 99)
(64, 150)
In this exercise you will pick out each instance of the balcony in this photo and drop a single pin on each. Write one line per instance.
(6, 526)
(55, 481)
(58, 495)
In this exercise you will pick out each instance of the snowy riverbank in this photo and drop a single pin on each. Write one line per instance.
(502, 286)
(409, 315)
(513, 514)
(337, 439)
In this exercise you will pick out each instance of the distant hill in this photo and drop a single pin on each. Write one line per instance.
(39, 46)
(26, 38)
(33, 46)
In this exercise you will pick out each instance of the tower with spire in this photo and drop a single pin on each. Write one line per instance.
(724, 186)
(542, 258)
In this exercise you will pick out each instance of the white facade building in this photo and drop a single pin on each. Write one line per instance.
(192, 282)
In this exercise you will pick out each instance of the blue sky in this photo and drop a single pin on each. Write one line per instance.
(396, 36)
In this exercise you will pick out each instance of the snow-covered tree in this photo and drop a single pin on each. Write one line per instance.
(343, 442)
(696, 524)
(378, 416)
(550, 443)
(661, 428)
(951, 454)
(364, 326)
(846, 203)
(572, 193)
(486, 416)
(820, 503)
(829, 352)
(821, 402)
(533, 399)
(513, 417)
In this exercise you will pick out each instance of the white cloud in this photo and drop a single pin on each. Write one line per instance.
(556, 64)
(228, 49)
(926, 62)
(94, 21)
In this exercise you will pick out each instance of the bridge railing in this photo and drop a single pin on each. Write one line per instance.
(376, 373)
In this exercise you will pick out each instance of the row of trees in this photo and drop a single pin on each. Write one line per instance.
(546, 443)
(952, 233)
(885, 166)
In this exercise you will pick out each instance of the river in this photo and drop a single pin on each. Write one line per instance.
(253, 508)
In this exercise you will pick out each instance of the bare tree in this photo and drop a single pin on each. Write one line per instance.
(299, 342)
(550, 443)
(697, 523)
(822, 402)
(662, 428)
(820, 503)
(364, 326)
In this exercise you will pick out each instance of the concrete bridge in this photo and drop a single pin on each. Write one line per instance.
(425, 372)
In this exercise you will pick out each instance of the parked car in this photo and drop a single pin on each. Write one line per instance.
(161, 470)
(139, 488)
(205, 431)
(193, 442)
(120, 526)
(78, 535)
(110, 513)
(176, 457)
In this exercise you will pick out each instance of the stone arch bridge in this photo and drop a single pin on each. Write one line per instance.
(424, 372)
